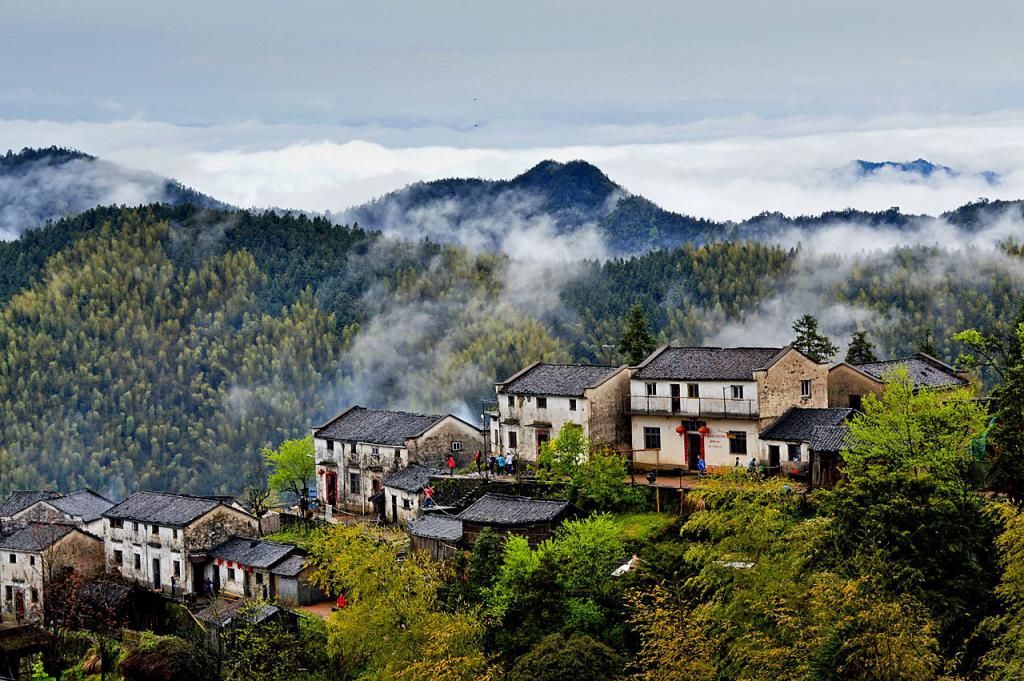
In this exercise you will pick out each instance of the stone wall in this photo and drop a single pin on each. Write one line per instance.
(778, 387)
(844, 381)
(433, 447)
(608, 422)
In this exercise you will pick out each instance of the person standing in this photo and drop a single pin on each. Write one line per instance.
(510, 463)
(428, 496)
(501, 464)
(451, 465)
(476, 457)
(701, 466)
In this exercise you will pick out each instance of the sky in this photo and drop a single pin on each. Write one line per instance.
(720, 109)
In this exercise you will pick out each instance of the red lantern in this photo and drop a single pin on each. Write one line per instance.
(249, 569)
(681, 430)
(231, 564)
(220, 561)
(320, 471)
(703, 430)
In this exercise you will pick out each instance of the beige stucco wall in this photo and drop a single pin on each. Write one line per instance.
(778, 387)
(716, 443)
(607, 422)
(844, 380)
(32, 569)
(433, 447)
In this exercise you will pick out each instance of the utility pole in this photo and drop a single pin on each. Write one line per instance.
(608, 347)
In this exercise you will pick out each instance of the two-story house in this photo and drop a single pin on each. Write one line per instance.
(849, 383)
(84, 509)
(33, 557)
(692, 403)
(151, 537)
(535, 403)
(359, 446)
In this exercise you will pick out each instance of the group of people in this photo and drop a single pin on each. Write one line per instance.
(502, 464)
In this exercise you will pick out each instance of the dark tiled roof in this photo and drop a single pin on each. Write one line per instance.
(290, 566)
(830, 439)
(436, 526)
(85, 504)
(706, 364)
(504, 509)
(16, 502)
(377, 426)
(798, 425)
(162, 509)
(924, 371)
(34, 537)
(413, 478)
(563, 380)
(258, 553)
(222, 611)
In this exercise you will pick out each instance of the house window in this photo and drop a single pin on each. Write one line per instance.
(375, 451)
(652, 437)
(138, 561)
(855, 402)
(513, 439)
(32, 560)
(456, 445)
(572, 404)
(116, 524)
(351, 447)
(12, 558)
(406, 504)
(542, 437)
(805, 388)
(8, 593)
(737, 442)
(542, 403)
(35, 595)
(259, 577)
(118, 557)
(154, 529)
(231, 574)
(737, 392)
(135, 527)
(511, 402)
(692, 390)
(794, 452)
(330, 445)
(353, 483)
(495, 436)
(652, 389)
(177, 568)
(174, 533)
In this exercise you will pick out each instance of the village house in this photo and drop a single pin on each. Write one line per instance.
(257, 568)
(849, 383)
(403, 492)
(692, 403)
(438, 534)
(33, 557)
(83, 509)
(356, 449)
(535, 519)
(152, 537)
(786, 443)
(534, 404)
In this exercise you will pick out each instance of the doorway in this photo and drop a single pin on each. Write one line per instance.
(394, 508)
(331, 488)
(216, 580)
(676, 402)
(693, 446)
(156, 574)
(773, 456)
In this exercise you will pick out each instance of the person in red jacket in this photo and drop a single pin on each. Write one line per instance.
(476, 458)
(451, 465)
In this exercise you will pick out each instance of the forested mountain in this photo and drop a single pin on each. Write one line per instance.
(919, 167)
(39, 185)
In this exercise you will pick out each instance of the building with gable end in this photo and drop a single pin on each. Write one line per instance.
(849, 383)
(403, 492)
(692, 403)
(151, 537)
(534, 404)
(356, 449)
(786, 443)
(84, 509)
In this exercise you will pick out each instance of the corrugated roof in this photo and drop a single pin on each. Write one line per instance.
(18, 501)
(562, 380)
(34, 536)
(924, 371)
(258, 553)
(377, 426)
(161, 508)
(290, 566)
(412, 478)
(436, 526)
(830, 439)
(798, 425)
(84, 504)
(706, 364)
(504, 509)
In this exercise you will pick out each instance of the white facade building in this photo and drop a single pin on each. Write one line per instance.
(693, 403)
(83, 509)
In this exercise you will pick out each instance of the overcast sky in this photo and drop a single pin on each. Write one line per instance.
(200, 89)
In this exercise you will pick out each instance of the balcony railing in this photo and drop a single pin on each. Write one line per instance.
(664, 405)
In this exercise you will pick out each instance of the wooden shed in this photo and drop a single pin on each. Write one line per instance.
(505, 514)
(438, 534)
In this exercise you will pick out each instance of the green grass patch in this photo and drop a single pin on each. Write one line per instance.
(299, 535)
(644, 527)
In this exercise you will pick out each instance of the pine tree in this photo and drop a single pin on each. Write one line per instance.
(811, 342)
(861, 350)
(926, 344)
(637, 340)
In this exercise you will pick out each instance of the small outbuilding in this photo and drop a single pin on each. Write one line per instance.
(292, 581)
(827, 445)
(403, 492)
(436, 533)
(787, 441)
(535, 519)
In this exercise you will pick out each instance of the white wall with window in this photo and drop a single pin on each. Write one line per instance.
(733, 398)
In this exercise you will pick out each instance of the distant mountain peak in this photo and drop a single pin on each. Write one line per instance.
(919, 167)
(51, 155)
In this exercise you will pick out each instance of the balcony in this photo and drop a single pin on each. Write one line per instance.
(716, 407)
